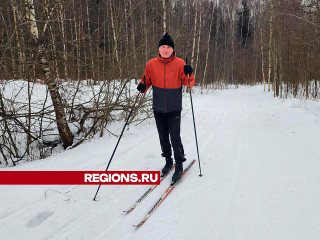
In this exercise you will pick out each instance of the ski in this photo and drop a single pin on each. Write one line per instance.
(164, 196)
(144, 196)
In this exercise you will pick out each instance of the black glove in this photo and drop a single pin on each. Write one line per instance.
(188, 70)
(142, 87)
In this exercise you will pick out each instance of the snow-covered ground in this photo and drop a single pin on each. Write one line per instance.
(260, 159)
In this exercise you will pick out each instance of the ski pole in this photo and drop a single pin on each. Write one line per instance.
(119, 140)
(194, 122)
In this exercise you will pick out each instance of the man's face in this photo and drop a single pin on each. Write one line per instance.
(165, 51)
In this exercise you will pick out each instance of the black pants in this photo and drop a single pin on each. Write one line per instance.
(169, 124)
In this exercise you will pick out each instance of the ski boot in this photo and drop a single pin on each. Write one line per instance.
(168, 166)
(178, 172)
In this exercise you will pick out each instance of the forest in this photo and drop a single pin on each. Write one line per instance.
(85, 56)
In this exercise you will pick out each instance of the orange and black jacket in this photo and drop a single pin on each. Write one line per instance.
(166, 76)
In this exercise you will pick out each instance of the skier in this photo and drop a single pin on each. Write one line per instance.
(166, 74)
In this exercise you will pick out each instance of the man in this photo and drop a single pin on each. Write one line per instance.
(166, 74)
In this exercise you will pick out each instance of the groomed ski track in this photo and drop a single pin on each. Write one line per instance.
(260, 161)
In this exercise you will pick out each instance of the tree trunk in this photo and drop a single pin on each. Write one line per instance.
(262, 52)
(198, 47)
(65, 54)
(208, 50)
(63, 128)
(133, 40)
(194, 34)
(114, 37)
(145, 34)
(270, 45)
(164, 16)
(90, 43)
(21, 67)
(77, 41)
(215, 62)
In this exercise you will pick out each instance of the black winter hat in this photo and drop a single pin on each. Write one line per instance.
(167, 40)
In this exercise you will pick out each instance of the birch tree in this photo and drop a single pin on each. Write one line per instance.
(164, 16)
(270, 45)
(63, 128)
(198, 46)
(208, 50)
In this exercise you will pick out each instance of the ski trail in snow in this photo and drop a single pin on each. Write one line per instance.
(233, 181)
(112, 227)
(129, 233)
(217, 124)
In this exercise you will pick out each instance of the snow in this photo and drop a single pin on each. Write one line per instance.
(260, 160)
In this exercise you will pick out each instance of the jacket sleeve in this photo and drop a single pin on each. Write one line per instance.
(147, 77)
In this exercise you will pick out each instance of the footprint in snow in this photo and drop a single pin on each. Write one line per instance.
(41, 217)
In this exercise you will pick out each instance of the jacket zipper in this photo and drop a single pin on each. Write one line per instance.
(165, 107)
